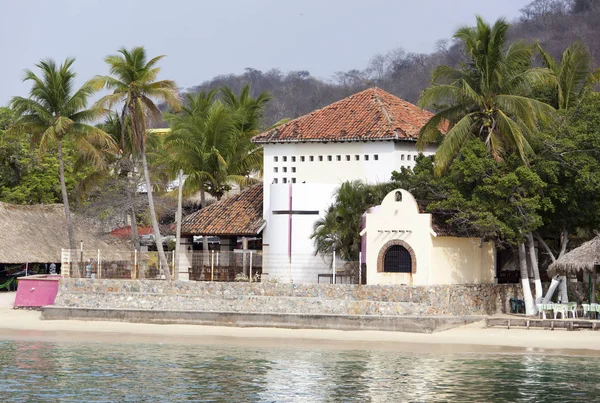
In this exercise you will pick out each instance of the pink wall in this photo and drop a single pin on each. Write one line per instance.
(36, 291)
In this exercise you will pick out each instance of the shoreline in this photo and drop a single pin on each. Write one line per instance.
(27, 325)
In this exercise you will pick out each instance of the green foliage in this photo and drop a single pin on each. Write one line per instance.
(339, 229)
(28, 177)
(478, 196)
(210, 140)
(486, 98)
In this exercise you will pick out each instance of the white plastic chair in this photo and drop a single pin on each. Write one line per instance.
(586, 310)
(560, 308)
(542, 308)
(572, 308)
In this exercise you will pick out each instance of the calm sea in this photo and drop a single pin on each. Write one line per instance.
(36, 371)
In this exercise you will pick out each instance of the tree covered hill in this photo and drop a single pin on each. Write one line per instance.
(554, 23)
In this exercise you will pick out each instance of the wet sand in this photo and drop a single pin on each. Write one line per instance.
(27, 325)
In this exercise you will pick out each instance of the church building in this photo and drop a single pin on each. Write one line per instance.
(365, 136)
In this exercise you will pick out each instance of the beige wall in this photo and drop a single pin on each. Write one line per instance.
(462, 261)
(439, 260)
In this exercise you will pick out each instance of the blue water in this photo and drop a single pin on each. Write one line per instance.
(37, 371)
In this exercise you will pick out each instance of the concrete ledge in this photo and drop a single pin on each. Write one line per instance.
(413, 324)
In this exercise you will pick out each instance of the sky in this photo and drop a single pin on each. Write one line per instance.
(203, 39)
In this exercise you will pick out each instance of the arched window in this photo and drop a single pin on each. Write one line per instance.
(397, 260)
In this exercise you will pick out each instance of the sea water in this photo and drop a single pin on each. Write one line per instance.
(42, 371)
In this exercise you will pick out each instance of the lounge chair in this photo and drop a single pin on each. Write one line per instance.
(7, 284)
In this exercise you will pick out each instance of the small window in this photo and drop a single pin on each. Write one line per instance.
(293, 159)
(294, 169)
(357, 157)
(320, 158)
(275, 159)
(408, 157)
(397, 260)
(338, 157)
(275, 169)
(293, 180)
(284, 180)
(347, 158)
(402, 157)
(366, 157)
(398, 196)
(376, 157)
(284, 159)
(284, 169)
(311, 158)
(275, 180)
(329, 158)
(302, 159)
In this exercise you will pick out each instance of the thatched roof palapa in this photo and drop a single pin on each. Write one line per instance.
(36, 234)
(585, 258)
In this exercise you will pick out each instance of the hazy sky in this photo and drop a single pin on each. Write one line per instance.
(206, 38)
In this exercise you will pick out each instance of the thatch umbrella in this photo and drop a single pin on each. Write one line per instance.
(585, 258)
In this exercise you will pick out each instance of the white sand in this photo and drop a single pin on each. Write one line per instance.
(26, 324)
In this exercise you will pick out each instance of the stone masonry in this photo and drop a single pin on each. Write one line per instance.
(337, 299)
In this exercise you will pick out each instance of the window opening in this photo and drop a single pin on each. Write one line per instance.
(397, 260)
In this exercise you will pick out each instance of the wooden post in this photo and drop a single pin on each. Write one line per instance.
(250, 266)
(135, 264)
(99, 266)
(212, 266)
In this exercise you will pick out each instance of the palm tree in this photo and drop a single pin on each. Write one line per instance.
(339, 229)
(574, 78)
(54, 113)
(486, 97)
(134, 85)
(574, 75)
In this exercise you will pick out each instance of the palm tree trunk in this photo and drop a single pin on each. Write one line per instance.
(539, 294)
(164, 265)
(65, 199)
(530, 308)
(131, 191)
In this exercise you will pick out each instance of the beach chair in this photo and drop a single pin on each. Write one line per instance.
(7, 284)
(586, 310)
(517, 305)
(560, 308)
(542, 308)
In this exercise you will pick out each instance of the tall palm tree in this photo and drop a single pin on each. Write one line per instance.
(574, 75)
(134, 85)
(54, 113)
(486, 97)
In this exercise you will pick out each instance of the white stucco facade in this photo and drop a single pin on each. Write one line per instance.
(301, 178)
(435, 259)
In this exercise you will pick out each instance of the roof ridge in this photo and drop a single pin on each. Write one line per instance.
(384, 111)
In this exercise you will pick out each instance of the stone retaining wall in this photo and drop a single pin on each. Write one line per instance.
(335, 299)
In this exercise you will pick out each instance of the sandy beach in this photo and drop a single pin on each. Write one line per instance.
(27, 324)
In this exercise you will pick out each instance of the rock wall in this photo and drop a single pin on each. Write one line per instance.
(338, 299)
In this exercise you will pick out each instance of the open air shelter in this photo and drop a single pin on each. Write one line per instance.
(585, 258)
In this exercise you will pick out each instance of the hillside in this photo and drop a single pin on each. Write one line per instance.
(554, 23)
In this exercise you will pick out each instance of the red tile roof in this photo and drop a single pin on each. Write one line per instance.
(369, 115)
(240, 215)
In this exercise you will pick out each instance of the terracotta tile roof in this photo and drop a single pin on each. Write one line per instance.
(369, 115)
(240, 215)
